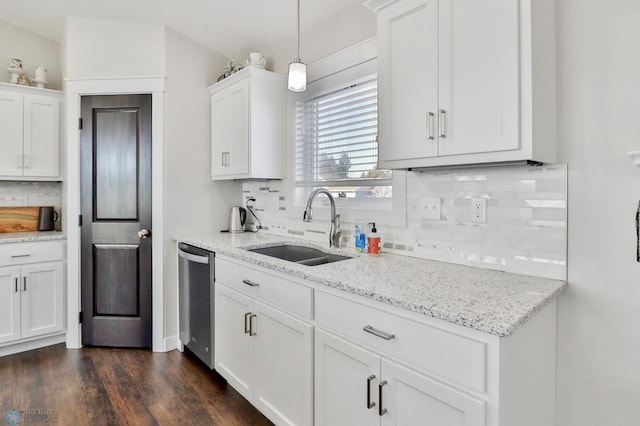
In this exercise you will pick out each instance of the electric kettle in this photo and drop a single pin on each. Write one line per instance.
(237, 218)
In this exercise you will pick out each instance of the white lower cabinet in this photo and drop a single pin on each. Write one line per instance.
(355, 386)
(266, 355)
(307, 354)
(34, 301)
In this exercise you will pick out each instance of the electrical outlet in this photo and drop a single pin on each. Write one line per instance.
(479, 210)
(432, 208)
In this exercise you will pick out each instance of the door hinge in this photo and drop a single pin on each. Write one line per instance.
(80, 317)
(80, 123)
(79, 220)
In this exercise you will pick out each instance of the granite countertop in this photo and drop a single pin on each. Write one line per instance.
(486, 300)
(21, 237)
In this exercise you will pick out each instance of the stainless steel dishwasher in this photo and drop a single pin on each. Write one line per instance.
(196, 301)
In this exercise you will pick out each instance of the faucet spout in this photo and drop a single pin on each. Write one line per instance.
(334, 231)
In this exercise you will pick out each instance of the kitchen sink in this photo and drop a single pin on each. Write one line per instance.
(300, 254)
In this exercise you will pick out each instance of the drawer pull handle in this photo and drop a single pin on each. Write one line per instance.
(378, 333)
(381, 411)
(251, 283)
(246, 323)
(251, 317)
(370, 404)
(17, 284)
(24, 283)
(13, 256)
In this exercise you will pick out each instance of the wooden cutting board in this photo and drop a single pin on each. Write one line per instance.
(19, 219)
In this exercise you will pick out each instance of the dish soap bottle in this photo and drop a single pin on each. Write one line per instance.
(374, 240)
(361, 241)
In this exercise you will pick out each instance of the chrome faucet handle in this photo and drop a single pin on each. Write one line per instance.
(336, 232)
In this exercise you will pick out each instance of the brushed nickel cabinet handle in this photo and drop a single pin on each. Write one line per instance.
(251, 317)
(378, 333)
(381, 411)
(251, 283)
(443, 123)
(370, 404)
(430, 125)
(246, 323)
(13, 256)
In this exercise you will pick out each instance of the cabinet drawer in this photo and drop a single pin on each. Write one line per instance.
(269, 287)
(428, 348)
(31, 252)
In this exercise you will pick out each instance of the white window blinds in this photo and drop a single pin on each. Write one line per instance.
(336, 137)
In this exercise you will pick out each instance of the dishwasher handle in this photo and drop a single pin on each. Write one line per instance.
(193, 257)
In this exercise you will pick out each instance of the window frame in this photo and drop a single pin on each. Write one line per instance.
(391, 214)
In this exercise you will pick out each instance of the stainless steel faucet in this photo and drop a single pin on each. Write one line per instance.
(334, 231)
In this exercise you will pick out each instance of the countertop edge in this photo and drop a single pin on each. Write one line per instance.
(501, 330)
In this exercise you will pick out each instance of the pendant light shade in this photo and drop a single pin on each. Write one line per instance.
(297, 80)
(297, 76)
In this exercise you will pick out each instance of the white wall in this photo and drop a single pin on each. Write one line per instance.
(34, 50)
(192, 202)
(599, 316)
(354, 24)
(97, 48)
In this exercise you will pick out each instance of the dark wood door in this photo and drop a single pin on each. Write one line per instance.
(116, 207)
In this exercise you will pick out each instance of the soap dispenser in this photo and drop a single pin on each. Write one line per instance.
(373, 240)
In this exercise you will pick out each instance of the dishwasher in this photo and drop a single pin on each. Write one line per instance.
(196, 301)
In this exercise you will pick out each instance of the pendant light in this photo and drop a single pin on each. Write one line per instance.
(297, 81)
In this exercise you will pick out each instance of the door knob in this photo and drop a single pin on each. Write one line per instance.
(144, 233)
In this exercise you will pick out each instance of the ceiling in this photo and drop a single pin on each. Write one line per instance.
(228, 27)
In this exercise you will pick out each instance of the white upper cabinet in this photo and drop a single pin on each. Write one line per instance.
(29, 132)
(247, 126)
(465, 82)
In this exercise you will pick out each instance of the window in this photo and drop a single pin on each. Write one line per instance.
(336, 142)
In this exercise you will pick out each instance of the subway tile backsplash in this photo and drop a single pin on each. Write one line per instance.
(525, 231)
(13, 193)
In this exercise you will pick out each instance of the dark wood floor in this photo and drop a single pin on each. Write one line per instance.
(99, 386)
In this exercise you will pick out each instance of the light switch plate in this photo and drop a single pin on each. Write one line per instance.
(432, 208)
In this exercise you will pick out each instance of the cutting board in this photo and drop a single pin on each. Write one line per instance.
(19, 219)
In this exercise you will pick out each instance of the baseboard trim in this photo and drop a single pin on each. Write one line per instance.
(38, 343)
(169, 343)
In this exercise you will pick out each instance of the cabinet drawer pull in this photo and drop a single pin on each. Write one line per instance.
(24, 283)
(251, 283)
(251, 317)
(370, 404)
(378, 333)
(430, 126)
(17, 284)
(381, 411)
(443, 123)
(246, 323)
(13, 256)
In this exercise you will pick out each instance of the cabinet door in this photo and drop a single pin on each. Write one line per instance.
(408, 80)
(283, 367)
(41, 135)
(10, 296)
(42, 299)
(233, 344)
(230, 131)
(11, 133)
(341, 383)
(411, 398)
(479, 76)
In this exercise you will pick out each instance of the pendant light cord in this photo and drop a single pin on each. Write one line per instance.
(298, 57)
